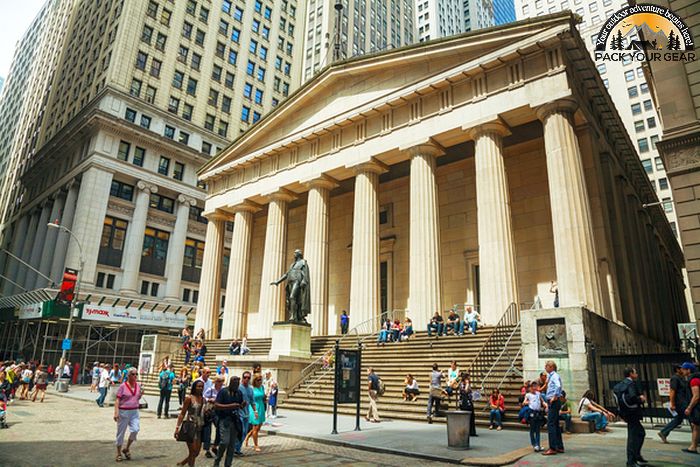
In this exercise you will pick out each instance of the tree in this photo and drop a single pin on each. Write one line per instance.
(616, 43)
(674, 42)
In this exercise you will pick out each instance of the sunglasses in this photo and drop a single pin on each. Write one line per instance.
(246, 377)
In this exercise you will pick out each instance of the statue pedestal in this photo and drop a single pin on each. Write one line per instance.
(291, 340)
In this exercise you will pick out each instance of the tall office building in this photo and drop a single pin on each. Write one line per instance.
(366, 26)
(503, 11)
(442, 18)
(2, 84)
(144, 94)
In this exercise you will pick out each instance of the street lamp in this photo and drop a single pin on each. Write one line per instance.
(54, 225)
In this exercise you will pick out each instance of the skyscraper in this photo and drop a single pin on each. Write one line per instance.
(442, 18)
(366, 26)
(503, 11)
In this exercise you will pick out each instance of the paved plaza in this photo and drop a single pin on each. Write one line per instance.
(69, 430)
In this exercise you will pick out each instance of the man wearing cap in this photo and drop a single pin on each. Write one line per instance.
(679, 398)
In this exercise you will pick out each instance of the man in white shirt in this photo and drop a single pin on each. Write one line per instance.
(471, 319)
(103, 385)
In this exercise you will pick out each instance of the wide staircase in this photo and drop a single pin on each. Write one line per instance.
(492, 357)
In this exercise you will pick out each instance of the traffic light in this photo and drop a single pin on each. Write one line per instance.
(67, 292)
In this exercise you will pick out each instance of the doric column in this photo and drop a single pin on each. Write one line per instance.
(574, 248)
(88, 222)
(38, 245)
(12, 265)
(27, 249)
(316, 250)
(497, 272)
(62, 239)
(425, 281)
(133, 245)
(49, 247)
(209, 304)
(271, 306)
(235, 322)
(176, 249)
(364, 276)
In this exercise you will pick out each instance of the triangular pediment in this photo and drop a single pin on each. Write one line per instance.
(347, 88)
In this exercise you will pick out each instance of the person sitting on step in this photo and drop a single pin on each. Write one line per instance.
(436, 324)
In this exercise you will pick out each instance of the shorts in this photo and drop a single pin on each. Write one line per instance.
(41, 387)
(95, 380)
(26, 380)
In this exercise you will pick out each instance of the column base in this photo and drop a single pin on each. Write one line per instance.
(291, 340)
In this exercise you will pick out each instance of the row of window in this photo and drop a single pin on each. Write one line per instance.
(637, 107)
(643, 143)
(658, 163)
(139, 155)
(639, 124)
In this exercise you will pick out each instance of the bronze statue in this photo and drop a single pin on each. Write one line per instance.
(297, 289)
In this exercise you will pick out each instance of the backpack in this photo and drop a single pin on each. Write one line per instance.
(163, 381)
(382, 388)
(620, 392)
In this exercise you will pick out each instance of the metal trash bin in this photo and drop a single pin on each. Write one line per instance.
(62, 385)
(458, 422)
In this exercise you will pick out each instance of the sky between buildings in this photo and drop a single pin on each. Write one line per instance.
(16, 17)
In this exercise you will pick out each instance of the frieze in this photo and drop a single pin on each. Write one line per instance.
(161, 220)
(682, 158)
(120, 208)
(197, 228)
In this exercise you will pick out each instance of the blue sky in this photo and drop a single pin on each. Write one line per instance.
(16, 17)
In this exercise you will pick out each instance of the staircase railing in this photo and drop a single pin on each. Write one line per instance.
(505, 351)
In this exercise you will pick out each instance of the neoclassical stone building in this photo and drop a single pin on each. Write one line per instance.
(473, 169)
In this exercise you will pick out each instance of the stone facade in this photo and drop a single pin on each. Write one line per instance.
(462, 176)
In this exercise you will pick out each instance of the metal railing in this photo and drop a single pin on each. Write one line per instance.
(504, 351)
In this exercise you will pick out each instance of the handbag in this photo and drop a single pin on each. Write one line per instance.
(143, 403)
(186, 433)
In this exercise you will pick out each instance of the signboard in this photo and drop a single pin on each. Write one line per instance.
(66, 344)
(31, 311)
(347, 376)
(687, 330)
(664, 385)
(133, 316)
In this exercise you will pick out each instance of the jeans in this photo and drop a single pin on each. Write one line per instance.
(101, 398)
(228, 439)
(457, 327)
(181, 393)
(432, 401)
(553, 428)
(524, 413)
(675, 422)
(395, 335)
(383, 335)
(635, 440)
(601, 421)
(473, 326)
(187, 357)
(495, 417)
(567, 420)
(164, 397)
(206, 435)
(439, 327)
(245, 425)
(535, 425)
(344, 328)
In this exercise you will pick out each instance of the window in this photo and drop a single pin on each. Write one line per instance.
(191, 86)
(152, 10)
(223, 27)
(144, 287)
(237, 14)
(141, 59)
(247, 90)
(195, 296)
(155, 68)
(178, 78)
(139, 156)
(659, 163)
(179, 171)
(203, 14)
(643, 145)
(285, 89)
(216, 73)
(263, 52)
(644, 87)
(163, 165)
(258, 6)
(640, 72)
(636, 109)
(196, 215)
(213, 97)
(226, 8)
(223, 128)
(209, 122)
(663, 183)
(193, 260)
(651, 122)
(226, 104)
(250, 69)
(235, 35)
(150, 96)
(123, 152)
(173, 104)
(147, 34)
(154, 252)
(287, 68)
(674, 229)
(278, 63)
(206, 147)
(632, 91)
(646, 163)
(183, 138)
(160, 41)
(130, 115)
(220, 50)
(266, 36)
(255, 26)
(668, 204)
(112, 241)
(186, 30)
(196, 61)
(653, 140)
(639, 126)
(232, 57)
(191, 7)
(162, 203)
(258, 96)
(268, 13)
(245, 113)
(593, 7)
(169, 132)
(187, 112)
(253, 48)
(228, 82)
(256, 116)
(199, 38)
(182, 54)
(261, 74)
(121, 190)
(165, 17)
(145, 121)
(647, 105)
(629, 75)
(186, 295)
(154, 289)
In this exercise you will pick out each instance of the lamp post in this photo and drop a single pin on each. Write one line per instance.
(54, 225)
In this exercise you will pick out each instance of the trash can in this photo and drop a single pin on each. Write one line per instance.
(62, 385)
(458, 428)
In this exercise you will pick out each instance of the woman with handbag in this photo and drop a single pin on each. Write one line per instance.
(126, 413)
(190, 423)
(256, 412)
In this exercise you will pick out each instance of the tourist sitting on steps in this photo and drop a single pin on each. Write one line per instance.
(590, 411)
(407, 331)
(411, 390)
(565, 413)
(454, 324)
(471, 319)
(234, 348)
(436, 324)
(497, 407)
(383, 336)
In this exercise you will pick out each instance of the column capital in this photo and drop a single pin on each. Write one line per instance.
(564, 106)
(281, 194)
(372, 165)
(147, 187)
(245, 206)
(428, 147)
(322, 181)
(218, 215)
(496, 126)
(183, 199)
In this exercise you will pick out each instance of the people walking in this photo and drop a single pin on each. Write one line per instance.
(535, 401)
(165, 383)
(227, 405)
(679, 398)
(40, 381)
(372, 391)
(103, 385)
(243, 413)
(126, 413)
(693, 413)
(183, 382)
(190, 422)
(256, 412)
(630, 399)
(552, 396)
(210, 419)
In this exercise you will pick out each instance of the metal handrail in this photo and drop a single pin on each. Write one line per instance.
(510, 317)
(505, 349)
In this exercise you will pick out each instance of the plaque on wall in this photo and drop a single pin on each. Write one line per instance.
(551, 338)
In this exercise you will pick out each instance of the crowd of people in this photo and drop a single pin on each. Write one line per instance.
(684, 403)
(452, 324)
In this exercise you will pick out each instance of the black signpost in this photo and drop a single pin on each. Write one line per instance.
(347, 386)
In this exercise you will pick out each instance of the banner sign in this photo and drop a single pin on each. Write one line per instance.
(133, 316)
(31, 311)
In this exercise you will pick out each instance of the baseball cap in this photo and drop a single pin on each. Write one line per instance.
(688, 366)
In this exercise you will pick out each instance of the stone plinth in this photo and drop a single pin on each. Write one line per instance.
(290, 340)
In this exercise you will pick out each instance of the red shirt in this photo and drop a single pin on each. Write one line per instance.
(500, 402)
